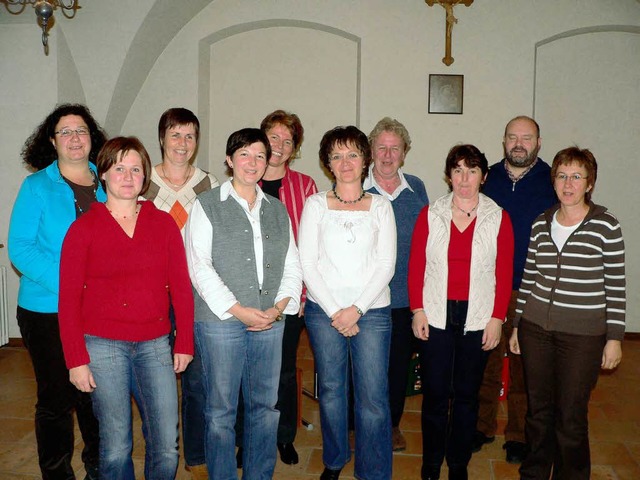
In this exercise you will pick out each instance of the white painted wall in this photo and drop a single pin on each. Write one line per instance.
(163, 48)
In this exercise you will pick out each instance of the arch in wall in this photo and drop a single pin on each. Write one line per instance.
(586, 93)
(204, 65)
(165, 19)
(572, 33)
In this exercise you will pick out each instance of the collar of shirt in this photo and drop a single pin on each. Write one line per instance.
(227, 190)
(370, 181)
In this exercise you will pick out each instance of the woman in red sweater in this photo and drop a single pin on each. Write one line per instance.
(119, 265)
(460, 271)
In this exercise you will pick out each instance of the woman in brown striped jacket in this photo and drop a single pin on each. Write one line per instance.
(570, 318)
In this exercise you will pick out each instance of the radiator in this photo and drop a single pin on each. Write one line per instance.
(4, 307)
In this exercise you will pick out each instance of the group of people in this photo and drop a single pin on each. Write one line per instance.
(133, 273)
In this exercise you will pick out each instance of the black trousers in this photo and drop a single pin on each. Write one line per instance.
(403, 344)
(287, 403)
(452, 364)
(560, 371)
(57, 399)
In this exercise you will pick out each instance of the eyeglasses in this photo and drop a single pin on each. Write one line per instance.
(576, 177)
(67, 132)
(334, 157)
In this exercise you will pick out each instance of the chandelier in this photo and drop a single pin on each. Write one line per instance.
(44, 11)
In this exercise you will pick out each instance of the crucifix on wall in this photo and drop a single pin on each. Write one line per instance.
(448, 6)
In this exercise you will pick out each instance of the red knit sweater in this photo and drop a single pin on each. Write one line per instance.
(117, 287)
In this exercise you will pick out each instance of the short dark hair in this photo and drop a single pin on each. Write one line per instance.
(38, 151)
(470, 155)
(176, 116)
(293, 124)
(113, 151)
(243, 138)
(582, 157)
(343, 136)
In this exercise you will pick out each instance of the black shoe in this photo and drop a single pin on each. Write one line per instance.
(516, 451)
(239, 458)
(288, 453)
(329, 474)
(430, 472)
(458, 473)
(480, 439)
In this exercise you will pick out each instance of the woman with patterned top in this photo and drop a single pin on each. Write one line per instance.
(175, 183)
(570, 318)
(62, 150)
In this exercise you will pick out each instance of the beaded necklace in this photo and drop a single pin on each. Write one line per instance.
(348, 201)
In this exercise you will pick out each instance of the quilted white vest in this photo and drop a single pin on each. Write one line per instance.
(483, 263)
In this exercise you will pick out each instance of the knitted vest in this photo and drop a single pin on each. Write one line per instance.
(482, 285)
(233, 255)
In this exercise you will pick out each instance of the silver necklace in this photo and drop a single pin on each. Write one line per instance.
(464, 211)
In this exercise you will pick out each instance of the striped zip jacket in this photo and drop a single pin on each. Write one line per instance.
(581, 289)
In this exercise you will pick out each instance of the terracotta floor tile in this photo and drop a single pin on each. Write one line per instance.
(614, 429)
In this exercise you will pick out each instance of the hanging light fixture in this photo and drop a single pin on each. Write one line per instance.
(44, 11)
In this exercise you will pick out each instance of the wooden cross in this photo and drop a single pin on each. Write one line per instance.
(448, 6)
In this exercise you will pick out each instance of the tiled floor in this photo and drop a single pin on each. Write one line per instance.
(614, 422)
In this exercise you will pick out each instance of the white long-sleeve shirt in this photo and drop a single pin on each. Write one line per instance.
(205, 279)
(348, 257)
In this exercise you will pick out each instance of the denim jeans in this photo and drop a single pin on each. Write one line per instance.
(57, 399)
(369, 353)
(561, 370)
(144, 370)
(452, 365)
(231, 357)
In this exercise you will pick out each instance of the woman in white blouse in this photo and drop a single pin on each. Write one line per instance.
(245, 270)
(347, 243)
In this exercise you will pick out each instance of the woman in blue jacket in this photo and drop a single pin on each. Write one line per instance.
(61, 150)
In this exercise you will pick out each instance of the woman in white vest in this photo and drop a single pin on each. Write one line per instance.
(460, 272)
(245, 270)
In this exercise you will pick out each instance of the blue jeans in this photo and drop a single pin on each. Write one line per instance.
(369, 353)
(452, 365)
(231, 357)
(144, 370)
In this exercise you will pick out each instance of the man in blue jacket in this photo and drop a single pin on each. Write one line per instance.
(521, 184)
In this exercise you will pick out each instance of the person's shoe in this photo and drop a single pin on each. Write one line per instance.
(329, 474)
(239, 458)
(457, 472)
(516, 451)
(92, 472)
(288, 453)
(430, 472)
(398, 442)
(480, 439)
(198, 472)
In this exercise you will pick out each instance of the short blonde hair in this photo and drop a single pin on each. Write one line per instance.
(388, 124)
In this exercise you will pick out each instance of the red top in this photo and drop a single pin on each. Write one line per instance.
(459, 261)
(117, 287)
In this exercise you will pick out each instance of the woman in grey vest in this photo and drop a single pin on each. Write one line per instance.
(246, 274)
